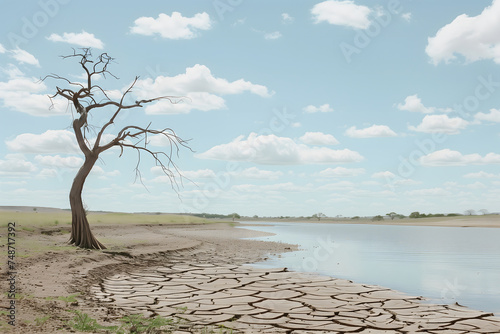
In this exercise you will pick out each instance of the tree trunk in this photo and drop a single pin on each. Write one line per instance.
(81, 236)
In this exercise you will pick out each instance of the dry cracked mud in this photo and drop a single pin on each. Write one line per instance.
(251, 300)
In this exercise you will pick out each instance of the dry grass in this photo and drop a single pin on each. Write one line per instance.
(31, 220)
(53, 228)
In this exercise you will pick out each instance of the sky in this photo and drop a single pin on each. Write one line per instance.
(348, 108)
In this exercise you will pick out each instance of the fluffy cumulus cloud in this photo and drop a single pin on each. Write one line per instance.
(370, 132)
(16, 165)
(51, 141)
(83, 39)
(341, 172)
(473, 37)
(318, 138)
(24, 57)
(492, 116)
(199, 85)
(310, 109)
(174, 26)
(343, 13)
(274, 150)
(440, 124)
(447, 157)
(414, 103)
(25, 95)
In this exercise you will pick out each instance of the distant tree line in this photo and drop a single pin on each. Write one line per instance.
(216, 215)
(417, 214)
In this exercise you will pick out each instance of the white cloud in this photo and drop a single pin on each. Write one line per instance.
(51, 141)
(48, 173)
(481, 175)
(195, 101)
(23, 95)
(274, 150)
(2, 48)
(273, 35)
(12, 71)
(323, 108)
(440, 124)
(199, 85)
(286, 18)
(83, 39)
(492, 116)
(341, 172)
(447, 157)
(406, 16)
(172, 27)
(370, 132)
(344, 13)
(16, 165)
(296, 125)
(475, 37)
(414, 103)
(476, 185)
(59, 162)
(24, 57)
(318, 138)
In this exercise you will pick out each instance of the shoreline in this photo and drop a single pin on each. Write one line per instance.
(484, 221)
(52, 272)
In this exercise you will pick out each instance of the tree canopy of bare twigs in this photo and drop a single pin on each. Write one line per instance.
(87, 98)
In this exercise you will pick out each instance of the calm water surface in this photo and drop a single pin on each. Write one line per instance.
(444, 264)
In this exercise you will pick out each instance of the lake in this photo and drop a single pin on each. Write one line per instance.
(443, 264)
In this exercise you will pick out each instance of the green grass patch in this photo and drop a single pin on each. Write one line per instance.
(139, 324)
(83, 322)
(32, 220)
(41, 320)
(70, 298)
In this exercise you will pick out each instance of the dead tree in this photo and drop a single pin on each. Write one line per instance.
(86, 98)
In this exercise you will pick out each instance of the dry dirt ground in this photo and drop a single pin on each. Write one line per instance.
(53, 272)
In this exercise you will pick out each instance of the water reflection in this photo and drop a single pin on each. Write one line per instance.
(445, 264)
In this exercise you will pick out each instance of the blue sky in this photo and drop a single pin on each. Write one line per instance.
(341, 107)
